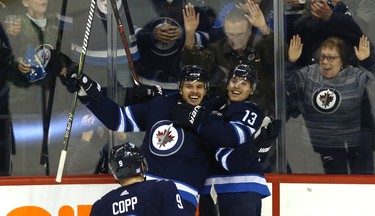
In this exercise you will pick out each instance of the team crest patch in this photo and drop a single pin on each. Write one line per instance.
(165, 139)
(44, 52)
(326, 100)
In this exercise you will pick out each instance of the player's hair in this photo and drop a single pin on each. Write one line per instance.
(126, 160)
(193, 73)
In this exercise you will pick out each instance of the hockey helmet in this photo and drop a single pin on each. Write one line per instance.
(193, 73)
(126, 160)
(247, 72)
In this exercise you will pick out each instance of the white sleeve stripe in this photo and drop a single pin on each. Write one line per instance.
(129, 115)
(218, 152)
(121, 126)
(180, 186)
(242, 178)
(223, 160)
(239, 132)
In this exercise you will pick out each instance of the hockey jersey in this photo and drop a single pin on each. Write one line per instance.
(171, 152)
(235, 169)
(149, 198)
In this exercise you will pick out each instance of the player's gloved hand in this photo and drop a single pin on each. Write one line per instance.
(186, 115)
(147, 92)
(266, 136)
(214, 102)
(87, 88)
(71, 69)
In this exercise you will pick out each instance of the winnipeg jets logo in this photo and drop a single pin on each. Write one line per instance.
(165, 139)
(165, 136)
(326, 100)
(44, 53)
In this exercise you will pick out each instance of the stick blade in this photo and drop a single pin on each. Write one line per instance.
(60, 169)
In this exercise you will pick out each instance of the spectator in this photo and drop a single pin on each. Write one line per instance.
(160, 42)
(6, 141)
(217, 31)
(172, 152)
(223, 55)
(34, 37)
(329, 97)
(143, 198)
(332, 18)
(237, 174)
(324, 19)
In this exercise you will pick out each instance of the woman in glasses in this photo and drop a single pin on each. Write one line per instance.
(329, 94)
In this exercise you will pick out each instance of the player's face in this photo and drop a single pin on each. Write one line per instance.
(193, 92)
(330, 62)
(237, 34)
(239, 89)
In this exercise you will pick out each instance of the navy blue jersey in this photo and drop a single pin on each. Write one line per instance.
(234, 125)
(148, 198)
(235, 169)
(171, 152)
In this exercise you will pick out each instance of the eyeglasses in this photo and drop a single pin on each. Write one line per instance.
(329, 58)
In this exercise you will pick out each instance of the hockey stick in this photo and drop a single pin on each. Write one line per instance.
(124, 42)
(47, 111)
(69, 124)
(132, 38)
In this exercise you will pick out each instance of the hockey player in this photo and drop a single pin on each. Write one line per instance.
(171, 151)
(136, 196)
(238, 176)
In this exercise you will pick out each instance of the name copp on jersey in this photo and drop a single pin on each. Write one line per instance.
(148, 198)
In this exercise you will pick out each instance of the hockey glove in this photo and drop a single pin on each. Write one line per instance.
(189, 116)
(70, 69)
(214, 102)
(265, 137)
(87, 88)
(146, 92)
